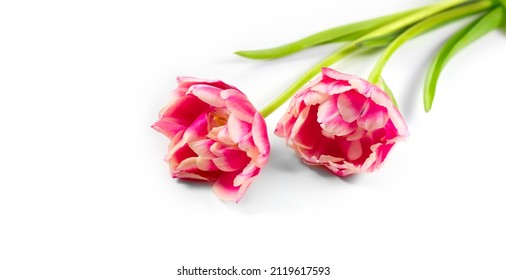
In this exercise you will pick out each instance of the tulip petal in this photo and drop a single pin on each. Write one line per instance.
(328, 109)
(358, 133)
(203, 148)
(224, 136)
(229, 159)
(206, 164)
(331, 121)
(184, 109)
(313, 97)
(338, 127)
(246, 174)
(350, 105)
(373, 117)
(188, 165)
(178, 150)
(224, 187)
(238, 105)
(331, 88)
(285, 125)
(305, 140)
(186, 82)
(208, 94)
(336, 75)
(168, 127)
(192, 176)
(237, 129)
(259, 133)
(361, 86)
(355, 150)
(198, 129)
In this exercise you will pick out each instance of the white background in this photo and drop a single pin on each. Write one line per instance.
(84, 193)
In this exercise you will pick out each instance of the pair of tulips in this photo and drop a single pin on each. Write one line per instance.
(341, 122)
(338, 121)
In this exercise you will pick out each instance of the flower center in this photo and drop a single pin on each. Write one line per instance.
(218, 120)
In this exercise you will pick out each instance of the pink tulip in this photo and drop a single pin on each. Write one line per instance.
(216, 135)
(342, 122)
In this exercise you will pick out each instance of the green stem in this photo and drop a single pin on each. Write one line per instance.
(348, 32)
(389, 28)
(423, 26)
(342, 52)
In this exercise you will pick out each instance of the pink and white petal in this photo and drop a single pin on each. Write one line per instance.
(331, 87)
(238, 104)
(224, 187)
(399, 122)
(187, 82)
(285, 125)
(294, 135)
(246, 144)
(192, 80)
(185, 109)
(168, 127)
(328, 109)
(188, 165)
(370, 163)
(198, 129)
(354, 150)
(350, 104)
(381, 152)
(224, 137)
(314, 97)
(336, 75)
(358, 133)
(337, 126)
(326, 159)
(214, 132)
(344, 169)
(191, 176)
(231, 160)
(306, 155)
(309, 135)
(237, 129)
(203, 148)
(373, 117)
(206, 164)
(247, 174)
(208, 94)
(362, 86)
(178, 150)
(259, 134)
(242, 189)
(380, 97)
(217, 149)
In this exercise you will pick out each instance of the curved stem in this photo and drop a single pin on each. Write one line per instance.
(423, 26)
(336, 56)
(348, 32)
(355, 45)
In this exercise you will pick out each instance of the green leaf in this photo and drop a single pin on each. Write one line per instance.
(380, 41)
(503, 3)
(426, 25)
(457, 42)
(348, 32)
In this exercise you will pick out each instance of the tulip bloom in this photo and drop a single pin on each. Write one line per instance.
(343, 123)
(216, 135)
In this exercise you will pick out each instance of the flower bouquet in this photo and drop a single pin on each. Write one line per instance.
(338, 121)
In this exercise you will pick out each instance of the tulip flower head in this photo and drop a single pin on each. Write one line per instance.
(216, 135)
(343, 123)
